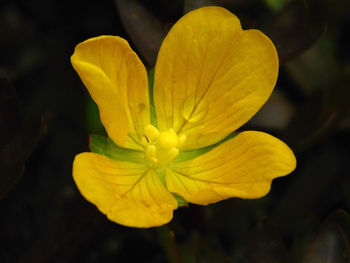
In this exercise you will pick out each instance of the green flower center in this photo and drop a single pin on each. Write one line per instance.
(161, 147)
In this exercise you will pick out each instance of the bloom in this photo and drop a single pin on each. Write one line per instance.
(176, 143)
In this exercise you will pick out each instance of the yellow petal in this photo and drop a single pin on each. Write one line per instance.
(211, 76)
(117, 82)
(128, 193)
(241, 167)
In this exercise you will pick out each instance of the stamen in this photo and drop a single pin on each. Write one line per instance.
(168, 139)
(151, 132)
(144, 141)
(182, 139)
(151, 151)
(161, 148)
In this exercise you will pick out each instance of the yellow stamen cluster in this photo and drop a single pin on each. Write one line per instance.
(161, 147)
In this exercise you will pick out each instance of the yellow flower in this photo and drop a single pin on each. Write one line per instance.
(210, 78)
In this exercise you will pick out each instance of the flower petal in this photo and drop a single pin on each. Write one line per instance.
(117, 82)
(211, 76)
(128, 193)
(241, 167)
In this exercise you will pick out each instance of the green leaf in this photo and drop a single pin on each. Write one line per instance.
(187, 155)
(180, 200)
(105, 146)
(93, 122)
(150, 91)
(276, 5)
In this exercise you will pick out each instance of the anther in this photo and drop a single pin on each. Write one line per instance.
(168, 139)
(144, 141)
(182, 139)
(161, 147)
(151, 151)
(151, 132)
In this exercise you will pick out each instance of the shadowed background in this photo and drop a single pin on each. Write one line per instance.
(46, 116)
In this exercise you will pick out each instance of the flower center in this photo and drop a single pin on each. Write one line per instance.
(161, 147)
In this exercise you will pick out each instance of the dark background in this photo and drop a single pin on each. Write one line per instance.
(47, 116)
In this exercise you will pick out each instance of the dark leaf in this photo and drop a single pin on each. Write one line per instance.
(341, 218)
(310, 191)
(195, 250)
(190, 5)
(293, 30)
(146, 31)
(316, 68)
(275, 114)
(330, 246)
(207, 254)
(15, 153)
(265, 245)
(168, 242)
(16, 142)
(22, 144)
(9, 177)
(239, 4)
(10, 121)
(77, 231)
(318, 115)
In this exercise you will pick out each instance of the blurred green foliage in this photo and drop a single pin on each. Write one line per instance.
(276, 5)
(46, 117)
